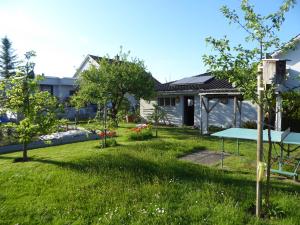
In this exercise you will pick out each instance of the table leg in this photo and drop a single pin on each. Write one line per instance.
(281, 158)
(238, 146)
(222, 154)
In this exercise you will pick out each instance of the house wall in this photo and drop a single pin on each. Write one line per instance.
(174, 113)
(293, 65)
(222, 115)
(62, 91)
(146, 108)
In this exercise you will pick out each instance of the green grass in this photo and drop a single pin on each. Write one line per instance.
(136, 183)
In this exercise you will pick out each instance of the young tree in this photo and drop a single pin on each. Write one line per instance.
(239, 64)
(158, 115)
(113, 80)
(8, 60)
(36, 109)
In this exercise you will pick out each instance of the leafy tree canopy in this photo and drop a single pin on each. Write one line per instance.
(36, 110)
(113, 79)
(239, 64)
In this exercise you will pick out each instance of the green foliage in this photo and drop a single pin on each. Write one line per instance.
(8, 60)
(238, 64)
(157, 116)
(250, 125)
(113, 79)
(213, 129)
(291, 104)
(37, 110)
(274, 211)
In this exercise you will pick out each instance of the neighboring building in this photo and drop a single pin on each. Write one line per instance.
(292, 81)
(201, 101)
(293, 64)
(62, 88)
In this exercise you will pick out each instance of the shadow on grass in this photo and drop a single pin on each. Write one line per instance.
(146, 170)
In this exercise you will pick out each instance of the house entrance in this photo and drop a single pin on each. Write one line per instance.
(188, 105)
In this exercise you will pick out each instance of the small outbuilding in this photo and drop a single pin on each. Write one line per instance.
(201, 101)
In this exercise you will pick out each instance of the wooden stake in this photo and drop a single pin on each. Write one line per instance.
(259, 154)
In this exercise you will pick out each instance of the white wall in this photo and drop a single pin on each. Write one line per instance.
(294, 66)
(222, 115)
(175, 113)
(146, 108)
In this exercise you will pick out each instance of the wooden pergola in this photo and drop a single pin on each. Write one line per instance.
(205, 99)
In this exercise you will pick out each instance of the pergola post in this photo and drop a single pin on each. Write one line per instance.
(240, 112)
(278, 119)
(234, 110)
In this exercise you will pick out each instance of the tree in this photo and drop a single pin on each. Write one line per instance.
(115, 78)
(158, 115)
(8, 60)
(37, 110)
(239, 64)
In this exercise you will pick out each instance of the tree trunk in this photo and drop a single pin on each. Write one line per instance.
(156, 129)
(268, 184)
(25, 157)
(114, 113)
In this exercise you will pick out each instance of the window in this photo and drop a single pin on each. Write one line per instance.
(166, 101)
(48, 88)
(161, 102)
(173, 100)
(72, 92)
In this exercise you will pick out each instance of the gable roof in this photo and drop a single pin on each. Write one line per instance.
(290, 42)
(210, 85)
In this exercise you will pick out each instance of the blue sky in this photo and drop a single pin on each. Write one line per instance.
(169, 35)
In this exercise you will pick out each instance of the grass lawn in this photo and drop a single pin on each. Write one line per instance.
(136, 183)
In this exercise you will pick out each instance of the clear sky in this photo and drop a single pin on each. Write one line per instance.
(169, 35)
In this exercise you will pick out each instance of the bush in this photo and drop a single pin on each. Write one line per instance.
(142, 132)
(249, 125)
(213, 129)
(110, 138)
(110, 142)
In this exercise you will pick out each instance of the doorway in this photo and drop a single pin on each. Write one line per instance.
(188, 112)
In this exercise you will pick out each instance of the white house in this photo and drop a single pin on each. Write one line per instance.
(201, 101)
(292, 81)
(61, 87)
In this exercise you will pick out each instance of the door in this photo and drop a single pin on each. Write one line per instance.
(188, 110)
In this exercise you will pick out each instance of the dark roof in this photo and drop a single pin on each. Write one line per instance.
(98, 58)
(213, 84)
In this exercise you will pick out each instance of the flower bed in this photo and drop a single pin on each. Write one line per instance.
(141, 132)
(110, 140)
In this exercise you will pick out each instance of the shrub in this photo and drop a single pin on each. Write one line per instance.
(249, 125)
(110, 138)
(213, 129)
(141, 132)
